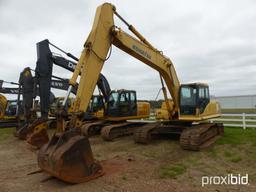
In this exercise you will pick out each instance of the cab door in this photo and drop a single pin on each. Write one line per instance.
(203, 98)
(112, 104)
(133, 103)
(188, 100)
(124, 104)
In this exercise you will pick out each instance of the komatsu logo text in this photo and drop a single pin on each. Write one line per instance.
(141, 52)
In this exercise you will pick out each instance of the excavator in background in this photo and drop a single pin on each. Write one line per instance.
(68, 155)
(121, 107)
(35, 129)
(120, 104)
(7, 112)
(8, 108)
(8, 90)
(29, 92)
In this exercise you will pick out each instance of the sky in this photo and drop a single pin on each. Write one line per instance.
(208, 41)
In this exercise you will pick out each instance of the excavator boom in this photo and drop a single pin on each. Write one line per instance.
(52, 157)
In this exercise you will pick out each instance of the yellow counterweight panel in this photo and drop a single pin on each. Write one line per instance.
(211, 110)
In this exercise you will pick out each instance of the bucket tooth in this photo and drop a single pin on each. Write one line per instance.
(68, 156)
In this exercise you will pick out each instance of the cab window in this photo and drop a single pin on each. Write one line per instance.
(188, 96)
(113, 99)
(203, 98)
(201, 92)
(124, 97)
(204, 93)
(133, 98)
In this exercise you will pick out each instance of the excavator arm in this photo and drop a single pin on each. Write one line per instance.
(8, 90)
(103, 35)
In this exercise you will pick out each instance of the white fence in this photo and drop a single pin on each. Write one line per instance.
(238, 120)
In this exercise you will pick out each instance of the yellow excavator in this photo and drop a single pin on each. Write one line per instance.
(122, 105)
(9, 108)
(7, 112)
(68, 155)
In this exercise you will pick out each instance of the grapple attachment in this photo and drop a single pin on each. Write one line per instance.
(68, 156)
(38, 133)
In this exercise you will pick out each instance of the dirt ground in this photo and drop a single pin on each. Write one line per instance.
(160, 166)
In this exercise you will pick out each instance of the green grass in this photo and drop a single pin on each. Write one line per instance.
(213, 152)
(237, 136)
(228, 154)
(5, 133)
(232, 156)
(236, 159)
(172, 171)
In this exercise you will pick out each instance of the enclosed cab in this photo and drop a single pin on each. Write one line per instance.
(96, 107)
(123, 103)
(195, 103)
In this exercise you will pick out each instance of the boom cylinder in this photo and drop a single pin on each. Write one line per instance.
(134, 31)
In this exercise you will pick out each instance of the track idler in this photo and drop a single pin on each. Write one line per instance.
(68, 156)
(38, 133)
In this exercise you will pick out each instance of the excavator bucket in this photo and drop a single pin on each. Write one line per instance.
(23, 129)
(22, 132)
(38, 136)
(19, 125)
(68, 156)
